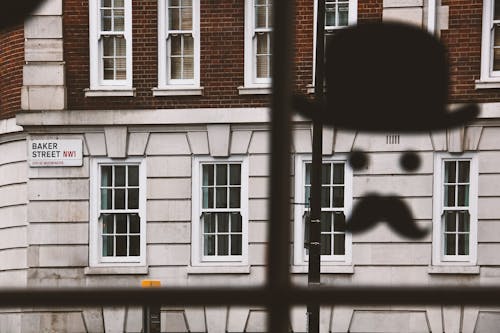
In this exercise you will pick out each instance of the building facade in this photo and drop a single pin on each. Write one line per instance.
(168, 103)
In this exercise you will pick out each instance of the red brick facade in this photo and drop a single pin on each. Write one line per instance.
(11, 70)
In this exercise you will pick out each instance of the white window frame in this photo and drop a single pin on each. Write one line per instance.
(300, 256)
(95, 244)
(97, 81)
(488, 78)
(163, 63)
(438, 256)
(197, 257)
(250, 75)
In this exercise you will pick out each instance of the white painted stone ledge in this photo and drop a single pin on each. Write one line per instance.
(218, 269)
(325, 269)
(458, 270)
(9, 126)
(122, 270)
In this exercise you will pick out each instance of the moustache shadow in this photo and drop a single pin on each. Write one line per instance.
(391, 209)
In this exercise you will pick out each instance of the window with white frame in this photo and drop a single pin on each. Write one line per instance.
(258, 33)
(110, 44)
(118, 218)
(336, 200)
(455, 216)
(220, 211)
(179, 43)
(490, 47)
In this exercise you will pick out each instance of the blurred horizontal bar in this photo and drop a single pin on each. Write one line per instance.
(361, 295)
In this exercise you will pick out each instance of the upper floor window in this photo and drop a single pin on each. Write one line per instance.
(220, 211)
(336, 201)
(455, 233)
(179, 43)
(118, 220)
(110, 44)
(258, 33)
(490, 46)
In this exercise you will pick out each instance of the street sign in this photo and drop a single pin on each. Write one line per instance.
(55, 153)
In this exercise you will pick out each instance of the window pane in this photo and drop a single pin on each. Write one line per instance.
(326, 171)
(209, 245)
(121, 246)
(105, 3)
(120, 175)
(236, 245)
(260, 16)
(106, 175)
(121, 223)
(135, 248)
(343, 14)
(133, 198)
(208, 174)
(105, 20)
(107, 246)
(188, 45)
(338, 173)
(121, 74)
(106, 199)
(496, 38)
(449, 241)
(308, 173)
(326, 221)
(108, 46)
(463, 222)
(119, 199)
(209, 222)
(175, 68)
(330, 15)
(173, 19)
(187, 18)
(235, 174)
(119, 3)
(174, 3)
(223, 222)
(325, 197)
(463, 171)
(187, 3)
(121, 46)
(463, 195)
(133, 175)
(221, 197)
(463, 244)
(326, 244)
(497, 10)
(262, 66)
(236, 222)
(208, 197)
(450, 221)
(222, 245)
(339, 222)
(338, 196)
(135, 223)
(119, 16)
(109, 74)
(449, 196)
(262, 46)
(188, 73)
(450, 171)
(121, 64)
(307, 196)
(176, 45)
(107, 224)
(339, 244)
(234, 197)
(221, 174)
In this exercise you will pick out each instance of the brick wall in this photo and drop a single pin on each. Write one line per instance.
(11, 70)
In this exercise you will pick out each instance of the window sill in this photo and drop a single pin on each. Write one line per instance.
(255, 90)
(118, 270)
(489, 84)
(310, 89)
(458, 270)
(325, 269)
(178, 91)
(112, 92)
(218, 270)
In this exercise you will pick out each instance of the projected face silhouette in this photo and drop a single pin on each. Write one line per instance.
(373, 207)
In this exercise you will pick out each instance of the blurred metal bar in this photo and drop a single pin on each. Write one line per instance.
(360, 295)
(278, 270)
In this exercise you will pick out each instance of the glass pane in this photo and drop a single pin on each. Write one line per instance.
(262, 46)
(108, 46)
(463, 222)
(174, 3)
(187, 18)
(209, 245)
(222, 245)
(325, 197)
(121, 63)
(450, 221)
(234, 197)
(120, 199)
(133, 198)
(496, 37)
(223, 222)
(105, 20)
(121, 223)
(262, 66)
(188, 45)
(121, 74)
(121, 45)
(133, 175)
(338, 196)
(208, 174)
(106, 199)
(107, 246)
(326, 171)
(330, 15)
(176, 45)
(235, 174)
(109, 64)
(463, 171)
(449, 241)
(209, 222)
(339, 244)
(221, 197)
(497, 10)
(339, 222)
(173, 18)
(343, 14)
(326, 244)
(307, 196)
(135, 247)
(109, 74)
(326, 221)
(208, 197)
(463, 195)
(236, 245)
(496, 59)
(338, 173)
(120, 175)
(221, 174)
(121, 246)
(235, 222)
(308, 173)
(188, 68)
(135, 223)
(106, 175)
(119, 3)
(175, 68)
(450, 171)
(449, 196)
(107, 224)
(260, 16)
(463, 244)
(119, 20)
(105, 3)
